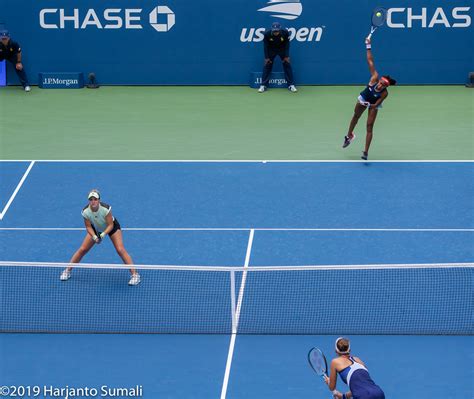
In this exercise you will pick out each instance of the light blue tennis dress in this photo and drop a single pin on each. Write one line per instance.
(98, 219)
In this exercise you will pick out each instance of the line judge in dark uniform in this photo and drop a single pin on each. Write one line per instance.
(11, 51)
(276, 41)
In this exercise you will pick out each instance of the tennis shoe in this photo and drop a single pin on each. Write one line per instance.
(261, 89)
(365, 155)
(65, 275)
(348, 140)
(292, 88)
(135, 279)
(27, 89)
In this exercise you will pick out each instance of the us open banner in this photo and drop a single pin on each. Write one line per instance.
(206, 42)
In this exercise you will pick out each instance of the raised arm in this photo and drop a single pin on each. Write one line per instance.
(374, 76)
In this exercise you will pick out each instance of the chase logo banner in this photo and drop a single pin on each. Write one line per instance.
(61, 80)
(170, 18)
(424, 17)
(212, 42)
(161, 18)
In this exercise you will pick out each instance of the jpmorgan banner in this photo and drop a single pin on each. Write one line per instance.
(206, 42)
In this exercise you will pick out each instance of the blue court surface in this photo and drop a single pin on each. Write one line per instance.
(236, 214)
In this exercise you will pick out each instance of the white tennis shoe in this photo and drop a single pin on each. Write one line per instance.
(292, 88)
(27, 89)
(65, 275)
(135, 279)
(261, 89)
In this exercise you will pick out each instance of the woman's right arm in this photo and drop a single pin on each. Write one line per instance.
(332, 380)
(374, 76)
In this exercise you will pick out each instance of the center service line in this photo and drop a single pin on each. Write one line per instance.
(237, 315)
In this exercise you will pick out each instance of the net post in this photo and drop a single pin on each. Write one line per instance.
(232, 301)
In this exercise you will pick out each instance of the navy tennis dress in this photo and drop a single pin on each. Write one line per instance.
(371, 95)
(357, 378)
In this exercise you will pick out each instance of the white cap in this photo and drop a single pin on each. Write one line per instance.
(93, 194)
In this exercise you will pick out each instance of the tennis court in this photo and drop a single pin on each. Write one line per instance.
(262, 224)
(239, 215)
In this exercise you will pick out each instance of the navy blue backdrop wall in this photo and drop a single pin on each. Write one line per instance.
(210, 42)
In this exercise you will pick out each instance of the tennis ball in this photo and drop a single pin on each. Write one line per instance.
(379, 14)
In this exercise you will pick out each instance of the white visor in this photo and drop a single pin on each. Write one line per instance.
(93, 194)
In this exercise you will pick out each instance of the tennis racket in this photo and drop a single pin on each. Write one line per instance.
(318, 363)
(379, 16)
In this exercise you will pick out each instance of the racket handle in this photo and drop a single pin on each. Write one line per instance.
(370, 36)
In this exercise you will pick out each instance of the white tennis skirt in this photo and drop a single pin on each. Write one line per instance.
(366, 103)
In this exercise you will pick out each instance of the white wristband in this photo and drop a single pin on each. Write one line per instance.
(94, 237)
(102, 235)
(368, 46)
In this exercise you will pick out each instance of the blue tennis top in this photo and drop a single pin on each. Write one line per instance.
(370, 94)
(357, 378)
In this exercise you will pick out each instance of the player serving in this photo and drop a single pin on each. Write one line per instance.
(370, 98)
(100, 223)
(353, 373)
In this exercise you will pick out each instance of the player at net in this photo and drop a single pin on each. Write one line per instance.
(100, 223)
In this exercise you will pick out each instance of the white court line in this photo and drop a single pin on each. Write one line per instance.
(2, 214)
(247, 160)
(238, 229)
(237, 315)
(244, 278)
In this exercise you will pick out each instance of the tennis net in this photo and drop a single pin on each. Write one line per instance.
(333, 299)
